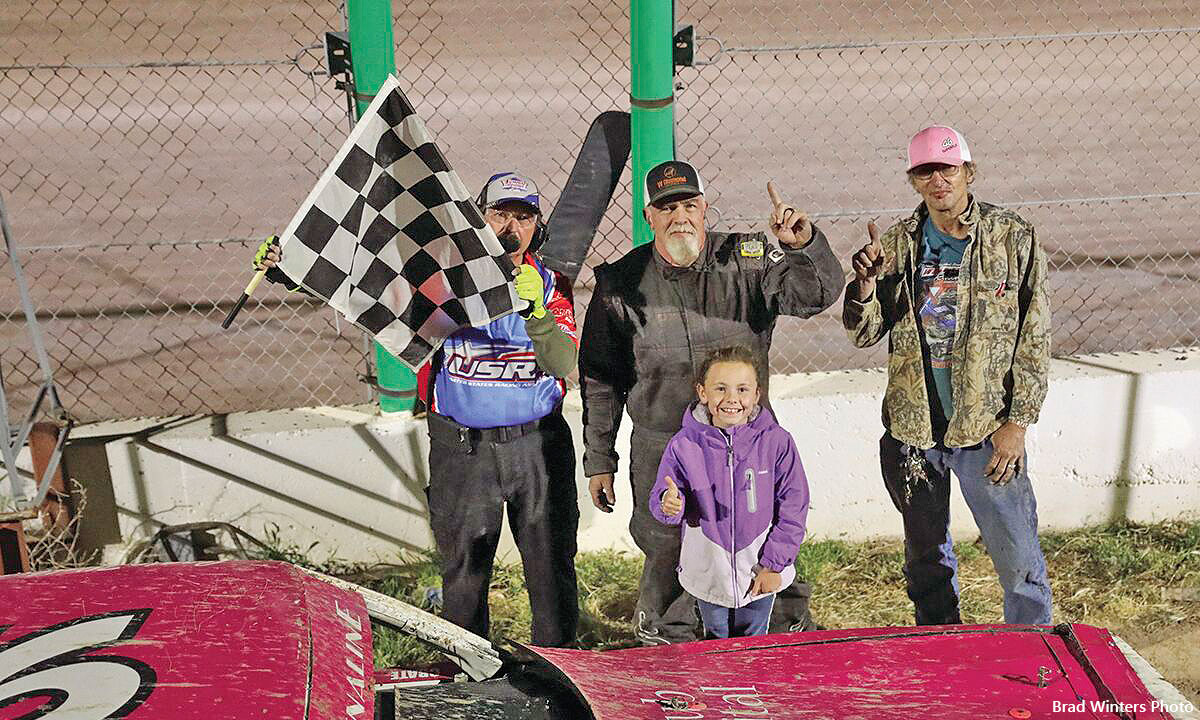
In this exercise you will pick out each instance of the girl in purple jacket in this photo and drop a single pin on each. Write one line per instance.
(732, 477)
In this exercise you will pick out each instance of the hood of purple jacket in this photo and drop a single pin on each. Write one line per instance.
(745, 500)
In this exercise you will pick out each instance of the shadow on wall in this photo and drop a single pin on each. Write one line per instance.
(152, 477)
(1123, 480)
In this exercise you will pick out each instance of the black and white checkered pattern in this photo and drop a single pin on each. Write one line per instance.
(392, 240)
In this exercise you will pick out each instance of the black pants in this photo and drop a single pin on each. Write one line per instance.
(473, 476)
(665, 612)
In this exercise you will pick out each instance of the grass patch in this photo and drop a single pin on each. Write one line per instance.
(1112, 576)
(608, 582)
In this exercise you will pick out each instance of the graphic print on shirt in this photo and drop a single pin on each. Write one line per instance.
(939, 300)
(490, 377)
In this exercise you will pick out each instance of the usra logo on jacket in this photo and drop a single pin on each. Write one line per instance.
(493, 361)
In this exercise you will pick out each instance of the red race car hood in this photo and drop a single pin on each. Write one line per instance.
(194, 641)
(979, 671)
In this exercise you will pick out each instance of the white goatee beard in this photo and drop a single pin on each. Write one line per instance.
(683, 252)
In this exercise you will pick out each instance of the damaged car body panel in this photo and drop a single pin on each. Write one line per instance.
(969, 671)
(183, 641)
(256, 639)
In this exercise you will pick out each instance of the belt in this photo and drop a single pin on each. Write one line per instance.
(449, 432)
(504, 433)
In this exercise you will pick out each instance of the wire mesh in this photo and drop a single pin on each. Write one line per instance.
(135, 331)
(147, 143)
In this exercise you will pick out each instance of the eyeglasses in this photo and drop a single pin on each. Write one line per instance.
(503, 216)
(925, 172)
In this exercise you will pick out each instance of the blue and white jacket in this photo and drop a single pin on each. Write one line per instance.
(489, 376)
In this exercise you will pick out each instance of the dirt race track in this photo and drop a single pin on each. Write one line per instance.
(148, 143)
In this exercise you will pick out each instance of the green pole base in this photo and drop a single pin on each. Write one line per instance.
(394, 376)
(373, 56)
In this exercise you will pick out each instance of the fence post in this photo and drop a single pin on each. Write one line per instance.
(651, 98)
(56, 509)
(373, 58)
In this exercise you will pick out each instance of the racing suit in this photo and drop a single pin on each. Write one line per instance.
(648, 328)
(497, 439)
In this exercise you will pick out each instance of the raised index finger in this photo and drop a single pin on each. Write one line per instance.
(775, 199)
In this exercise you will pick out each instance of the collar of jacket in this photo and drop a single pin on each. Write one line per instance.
(703, 262)
(698, 422)
(968, 217)
(532, 258)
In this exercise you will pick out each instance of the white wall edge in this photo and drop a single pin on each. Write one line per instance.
(1118, 439)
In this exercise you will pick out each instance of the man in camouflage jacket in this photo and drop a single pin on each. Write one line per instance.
(960, 289)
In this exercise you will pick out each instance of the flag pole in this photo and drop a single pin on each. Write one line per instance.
(237, 308)
(651, 98)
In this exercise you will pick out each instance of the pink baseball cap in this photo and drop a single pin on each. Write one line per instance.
(938, 144)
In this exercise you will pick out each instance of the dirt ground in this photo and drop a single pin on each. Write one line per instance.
(1173, 651)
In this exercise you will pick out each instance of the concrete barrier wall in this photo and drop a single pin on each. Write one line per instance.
(1119, 438)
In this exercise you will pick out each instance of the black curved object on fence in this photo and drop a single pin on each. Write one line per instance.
(587, 193)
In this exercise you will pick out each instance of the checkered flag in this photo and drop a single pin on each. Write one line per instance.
(392, 240)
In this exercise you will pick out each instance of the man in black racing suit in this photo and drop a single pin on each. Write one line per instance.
(655, 314)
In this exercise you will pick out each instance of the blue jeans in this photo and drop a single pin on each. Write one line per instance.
(745, 621)
(1007, 520)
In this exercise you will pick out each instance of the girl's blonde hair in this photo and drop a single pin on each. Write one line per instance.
(733, 353)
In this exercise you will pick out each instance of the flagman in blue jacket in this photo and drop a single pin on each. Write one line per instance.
(497, 435)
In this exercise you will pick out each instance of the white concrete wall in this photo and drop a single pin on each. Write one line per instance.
(1119, 438)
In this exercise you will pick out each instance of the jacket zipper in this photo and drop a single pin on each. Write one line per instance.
(963, 321)
(732, 518)
(678, 291)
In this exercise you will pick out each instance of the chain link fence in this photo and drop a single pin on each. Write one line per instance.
(149, 145)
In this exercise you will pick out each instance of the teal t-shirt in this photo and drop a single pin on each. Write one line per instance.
(937, 308)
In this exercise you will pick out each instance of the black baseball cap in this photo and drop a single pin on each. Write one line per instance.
(672, 178)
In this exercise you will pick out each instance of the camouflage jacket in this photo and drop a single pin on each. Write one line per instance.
(1001, 353)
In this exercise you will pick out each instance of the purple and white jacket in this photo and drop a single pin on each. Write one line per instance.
(745, 502)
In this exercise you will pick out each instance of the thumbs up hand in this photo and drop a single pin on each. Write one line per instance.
(531, 288)
(868, 263)
(672, 501)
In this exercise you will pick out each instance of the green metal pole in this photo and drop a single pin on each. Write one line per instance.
(373, 58)
(651, 98)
